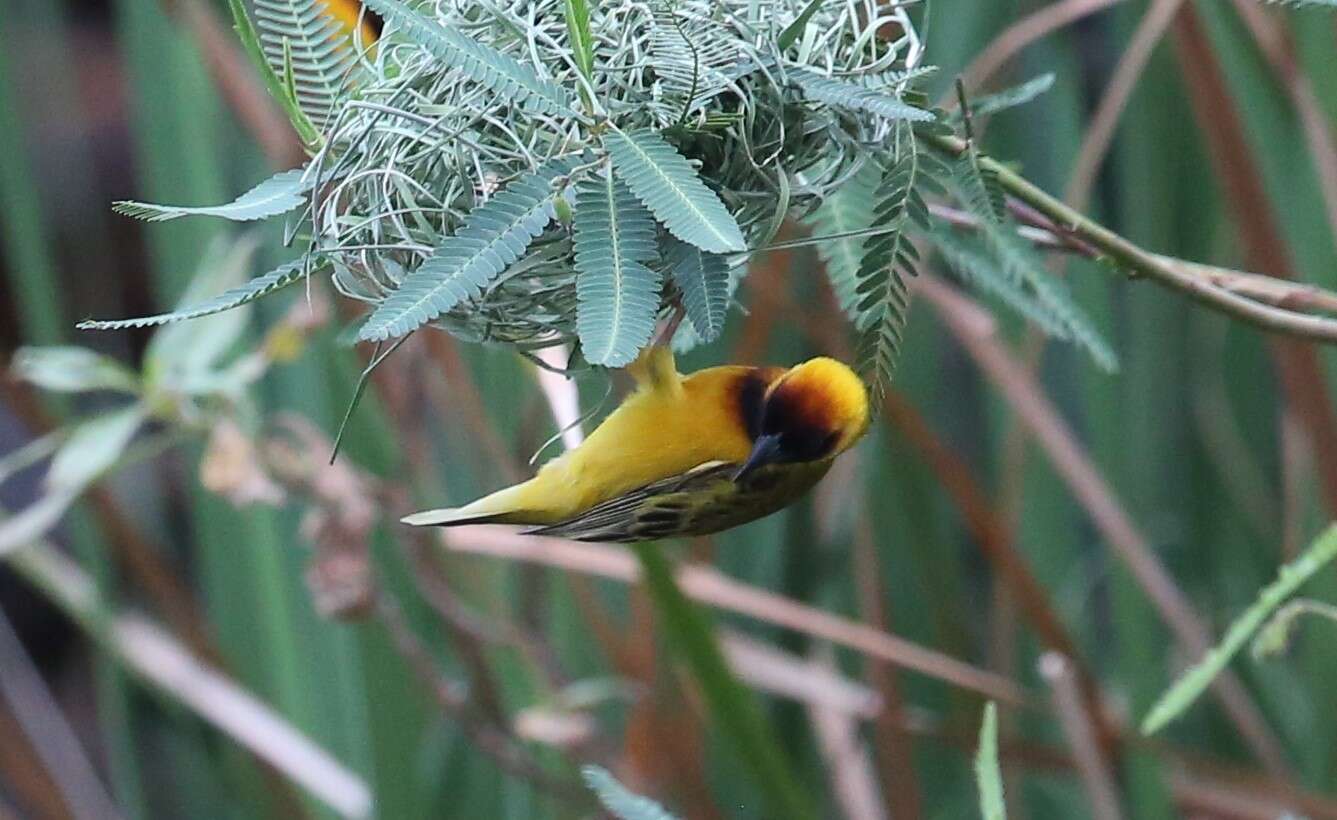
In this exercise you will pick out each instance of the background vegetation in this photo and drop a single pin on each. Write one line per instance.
(221, 626)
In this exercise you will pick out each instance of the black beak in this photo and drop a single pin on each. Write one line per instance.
(765, 450)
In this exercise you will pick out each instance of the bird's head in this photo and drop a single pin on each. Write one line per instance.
(814, 411)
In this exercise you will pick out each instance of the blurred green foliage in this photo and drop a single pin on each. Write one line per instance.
(1194, 435)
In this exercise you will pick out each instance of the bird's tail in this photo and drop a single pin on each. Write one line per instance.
(505, 506)
(452, 517)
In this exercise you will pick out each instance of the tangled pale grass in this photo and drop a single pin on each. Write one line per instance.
(414, 146)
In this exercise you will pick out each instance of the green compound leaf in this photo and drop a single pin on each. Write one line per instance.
(668, 185)
(882, 298)
(277, 279)
(848, 210)
(250, 43)
(318, 53)
(1195, 681)
(1009, 97)
(845, 94)
(501, 74)
(617, 291)
(1017, 261)
(277, 195)
(970, 260)
(493, 236)
(703, 279)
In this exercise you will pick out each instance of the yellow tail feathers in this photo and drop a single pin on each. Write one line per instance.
(451, 517)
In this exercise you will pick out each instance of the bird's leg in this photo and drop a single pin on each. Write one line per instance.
(671, 322)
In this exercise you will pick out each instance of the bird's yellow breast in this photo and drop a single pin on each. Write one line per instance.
(657, 432)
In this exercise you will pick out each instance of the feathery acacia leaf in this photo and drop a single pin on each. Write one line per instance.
(849, 209)
(1017, 261)
(1009, 97)
(276, 195)
(1321, 553)
(848, 95)
(493, 236)
(703, 278)
(317, 51)
(882, 295)
(277, 279)
(977, 187)
(501, 74)
(690, 63)
(618, 292)
(971, 261)
(668, 185)
(274, 84)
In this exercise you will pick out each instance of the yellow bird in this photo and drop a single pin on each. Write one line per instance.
(686, 455)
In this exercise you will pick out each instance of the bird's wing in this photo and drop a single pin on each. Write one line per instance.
(703, 500)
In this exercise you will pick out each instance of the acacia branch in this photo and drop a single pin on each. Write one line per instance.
(1177, 274)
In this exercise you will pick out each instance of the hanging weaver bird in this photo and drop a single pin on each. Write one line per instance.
(686, 455)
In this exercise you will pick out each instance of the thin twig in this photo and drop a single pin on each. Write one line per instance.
(807, 681)
(452, 700)
(1039, 230)
(902, 793)
(1278, 47)
(1100, 132)
(26, 782)
(51, 736)
(848, 763)
(1016, 37)
(1265, 248)
(707, 585)
(157, 658)
(1097, 777)
(1137, 261)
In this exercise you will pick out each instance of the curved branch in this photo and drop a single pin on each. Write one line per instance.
(1185, 277)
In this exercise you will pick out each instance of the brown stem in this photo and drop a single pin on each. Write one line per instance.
(896, 752)
(1092, 766)
(1301, 376)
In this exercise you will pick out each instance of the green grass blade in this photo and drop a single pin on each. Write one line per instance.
(620, 801)
(736, 712)
(578, 29)
(794, 30)
(1187, 689)
(987, 774)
